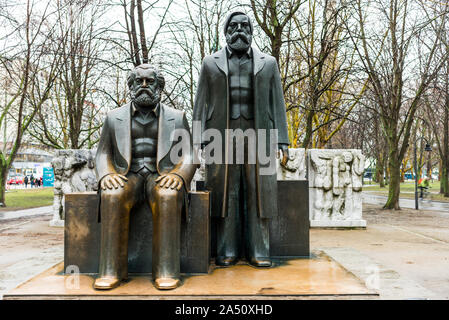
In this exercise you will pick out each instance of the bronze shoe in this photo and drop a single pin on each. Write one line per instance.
(261, 262)
(106, 283)
(166, 283)
(225, 261)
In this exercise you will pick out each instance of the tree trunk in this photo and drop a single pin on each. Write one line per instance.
(445, 157)
(309, 128)
(3, 177)
(444, 180)
(394, 187)
(380, 172)
(276, 45)
(143, 40)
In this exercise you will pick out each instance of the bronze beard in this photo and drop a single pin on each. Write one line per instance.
(145, 98)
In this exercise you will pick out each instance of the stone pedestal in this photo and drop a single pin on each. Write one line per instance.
(82, 235)
(335, 181)
(289, 231)
(319, 277)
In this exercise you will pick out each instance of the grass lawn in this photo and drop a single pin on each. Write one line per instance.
(408, 190)
(28, 198)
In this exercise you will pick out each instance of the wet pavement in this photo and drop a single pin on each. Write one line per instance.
(317, 276)
(407, 203)
(7, 215)
(28, 246)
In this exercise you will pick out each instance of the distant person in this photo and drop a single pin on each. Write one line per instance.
(25, 181)
(41, 184)
(423, 184)
(32, 182)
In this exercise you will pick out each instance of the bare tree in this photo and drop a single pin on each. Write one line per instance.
(139, 45)
(31, 72)
(437, 113)
(193, 36)
(69, 120)
(318, 68)
(273, 17)
(398, 77)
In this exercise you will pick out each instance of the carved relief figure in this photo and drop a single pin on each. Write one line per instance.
(358, 167)
(341, 176)
(324, 198)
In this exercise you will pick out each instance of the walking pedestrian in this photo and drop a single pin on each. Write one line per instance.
(25, 181)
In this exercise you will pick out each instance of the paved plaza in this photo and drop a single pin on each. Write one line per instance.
(401, 254)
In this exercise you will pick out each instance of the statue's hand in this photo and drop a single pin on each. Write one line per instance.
(170, 181)
(113, 181)
(283, 153)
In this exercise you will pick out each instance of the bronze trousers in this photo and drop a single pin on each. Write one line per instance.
(116, 205)
(242, 232)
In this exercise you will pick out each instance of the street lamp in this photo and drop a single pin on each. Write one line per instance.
(427, 148)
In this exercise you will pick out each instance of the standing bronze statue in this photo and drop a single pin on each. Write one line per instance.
(133, 163)
(240, 88)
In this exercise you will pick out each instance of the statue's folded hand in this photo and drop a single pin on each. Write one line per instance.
(283, 154)
(113, 181)
(170, 181)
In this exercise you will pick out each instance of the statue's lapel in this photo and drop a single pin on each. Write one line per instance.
(259, 61)
(166, 127)
(123, 132)
(221, 61)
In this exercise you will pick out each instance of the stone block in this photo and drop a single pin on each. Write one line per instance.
(82, 235)
(289, 231)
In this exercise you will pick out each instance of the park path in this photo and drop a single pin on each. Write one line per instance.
(7, 215)
(407, 203)
(28, 245)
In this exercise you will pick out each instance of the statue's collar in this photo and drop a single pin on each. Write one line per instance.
(155, 110)
(230, 53)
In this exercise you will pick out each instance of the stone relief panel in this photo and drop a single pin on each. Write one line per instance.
(335, 181)
(74, 172)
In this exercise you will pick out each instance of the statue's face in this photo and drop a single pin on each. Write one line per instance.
(347, 157)
(144, 90)
(238, 33)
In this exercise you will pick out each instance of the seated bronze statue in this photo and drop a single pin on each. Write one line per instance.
(133, 164)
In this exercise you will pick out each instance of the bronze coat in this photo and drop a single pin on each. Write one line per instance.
(212, 109)
(114, 149)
